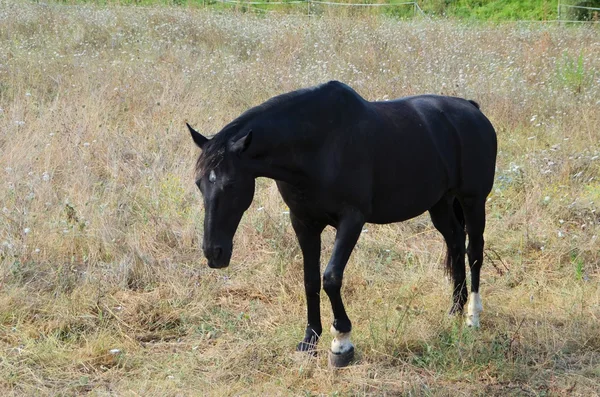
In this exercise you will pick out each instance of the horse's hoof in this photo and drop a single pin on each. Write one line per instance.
(456, 310)
(340, 360)
(472, 322)
(307, 347)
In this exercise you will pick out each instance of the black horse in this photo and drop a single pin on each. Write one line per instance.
(341, 160)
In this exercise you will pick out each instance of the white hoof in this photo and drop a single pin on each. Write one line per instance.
(473, 309)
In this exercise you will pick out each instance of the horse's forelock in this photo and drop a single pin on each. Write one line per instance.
(208, 160)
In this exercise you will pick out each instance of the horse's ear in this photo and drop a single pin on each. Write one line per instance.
(242, 143)
(199, 140)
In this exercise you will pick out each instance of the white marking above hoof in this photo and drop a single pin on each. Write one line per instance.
(341, 341)
(473, 309)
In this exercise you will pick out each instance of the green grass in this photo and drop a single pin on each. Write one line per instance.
(491, 10)
(572, 73)
(496, 10)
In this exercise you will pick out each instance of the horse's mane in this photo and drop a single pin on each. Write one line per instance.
(214, 150)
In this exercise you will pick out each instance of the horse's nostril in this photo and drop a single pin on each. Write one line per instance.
(217, 253)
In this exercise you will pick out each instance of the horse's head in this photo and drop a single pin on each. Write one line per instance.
(227, 189)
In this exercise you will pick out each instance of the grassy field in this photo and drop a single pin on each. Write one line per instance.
(489, 10)
(103, 287)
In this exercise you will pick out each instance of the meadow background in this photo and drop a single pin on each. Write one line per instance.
(488, 10)
(103, 287)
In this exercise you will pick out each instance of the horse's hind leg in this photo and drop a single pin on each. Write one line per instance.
(446, 221)
(474, 211)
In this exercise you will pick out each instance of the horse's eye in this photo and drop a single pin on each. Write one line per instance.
(212, 177)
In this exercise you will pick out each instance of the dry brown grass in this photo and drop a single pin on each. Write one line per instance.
(103, 287)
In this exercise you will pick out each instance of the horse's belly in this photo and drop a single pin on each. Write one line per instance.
(405, 204)
(396, 214)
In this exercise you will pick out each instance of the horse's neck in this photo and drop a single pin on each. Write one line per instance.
(282, 160)
(280, 151)
(279, 169)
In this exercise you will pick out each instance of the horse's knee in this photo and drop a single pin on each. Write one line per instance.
(332, 282)
(475, 242)
(475, 251)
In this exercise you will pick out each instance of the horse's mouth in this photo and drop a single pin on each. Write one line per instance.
(219, 257)
(221, 262)
(218, 265)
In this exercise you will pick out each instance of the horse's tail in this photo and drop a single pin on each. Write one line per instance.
(460, 217)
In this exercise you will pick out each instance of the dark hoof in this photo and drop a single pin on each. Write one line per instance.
(307, 347)
(340, 360)
(456, 311)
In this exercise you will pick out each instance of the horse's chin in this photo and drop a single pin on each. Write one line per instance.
(218, 264)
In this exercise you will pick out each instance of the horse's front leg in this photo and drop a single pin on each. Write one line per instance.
(309, 238)
(348, 232)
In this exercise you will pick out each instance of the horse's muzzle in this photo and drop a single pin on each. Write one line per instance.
(217, 257)
(217, 265)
